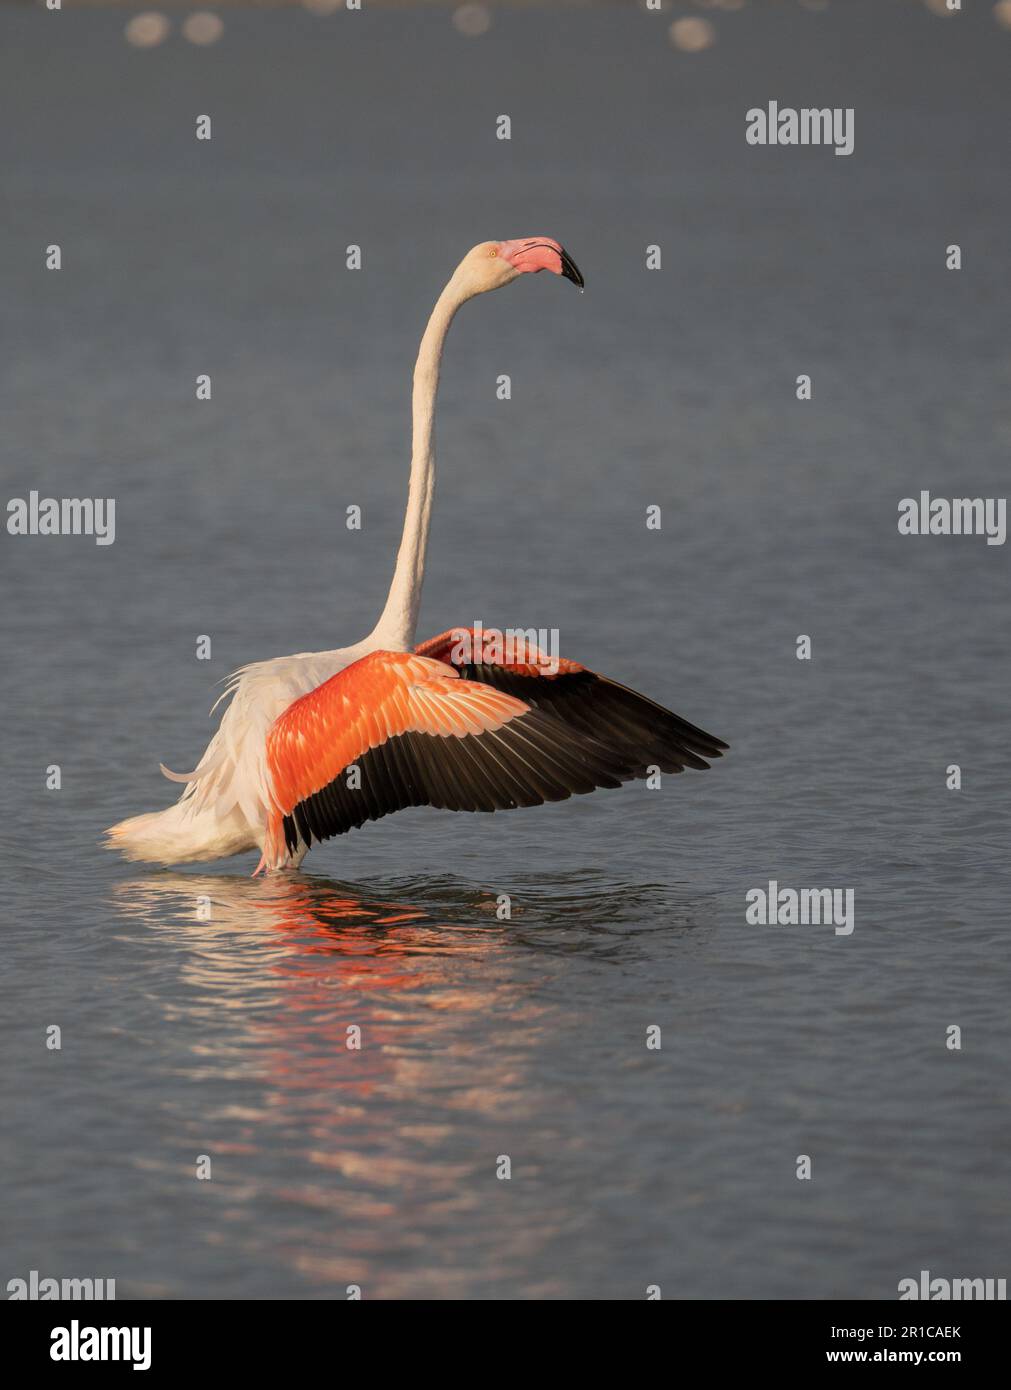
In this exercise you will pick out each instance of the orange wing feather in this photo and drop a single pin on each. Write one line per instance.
(383, 695)
(460, 646)
(439, 728)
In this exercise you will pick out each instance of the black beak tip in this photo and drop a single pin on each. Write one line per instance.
(570, 270)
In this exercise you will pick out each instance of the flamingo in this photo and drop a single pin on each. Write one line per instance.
(310, 746)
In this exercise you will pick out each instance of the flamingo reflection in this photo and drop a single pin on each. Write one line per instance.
(366, 1165)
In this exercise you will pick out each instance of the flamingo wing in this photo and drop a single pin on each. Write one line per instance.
(639, 731)
(417, 734)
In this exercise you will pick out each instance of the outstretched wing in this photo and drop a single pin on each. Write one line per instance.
(639, 731)
(396, 730)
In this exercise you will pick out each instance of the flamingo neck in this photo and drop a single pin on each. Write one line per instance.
(398, 623)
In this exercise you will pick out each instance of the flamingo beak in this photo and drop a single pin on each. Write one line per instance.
(570, 270)
(541, 253)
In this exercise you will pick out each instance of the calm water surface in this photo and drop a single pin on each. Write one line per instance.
(203, 1013)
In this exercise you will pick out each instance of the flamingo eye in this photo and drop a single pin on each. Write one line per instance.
(493, 251)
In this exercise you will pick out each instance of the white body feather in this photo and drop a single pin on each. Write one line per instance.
(224, 807)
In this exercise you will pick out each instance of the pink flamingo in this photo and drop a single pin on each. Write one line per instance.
(314, 744)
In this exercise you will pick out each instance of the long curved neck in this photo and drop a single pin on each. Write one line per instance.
(396, 627)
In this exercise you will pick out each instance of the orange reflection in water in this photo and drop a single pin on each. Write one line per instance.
(318, 959)
(349, 1150)
(377, 1167)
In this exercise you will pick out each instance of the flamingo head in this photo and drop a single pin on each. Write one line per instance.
(497, 263)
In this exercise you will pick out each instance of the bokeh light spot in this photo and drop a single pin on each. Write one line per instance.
(147, 30)
(472, 20)
(692, 35)
(202, 27)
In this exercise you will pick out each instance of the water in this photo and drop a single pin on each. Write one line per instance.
(188, 1034)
